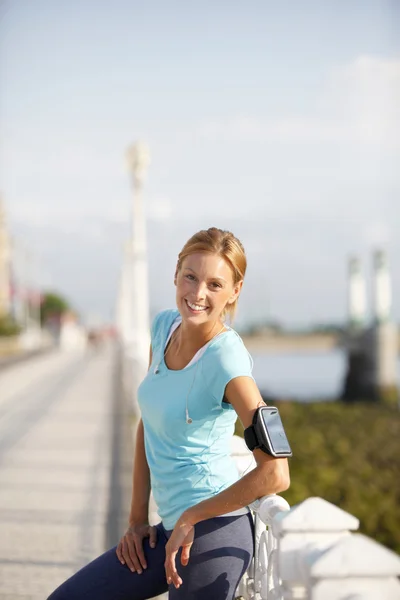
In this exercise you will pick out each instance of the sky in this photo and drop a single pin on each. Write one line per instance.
(279, 121)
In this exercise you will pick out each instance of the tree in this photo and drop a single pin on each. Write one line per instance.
(53, 306)
(8, 326)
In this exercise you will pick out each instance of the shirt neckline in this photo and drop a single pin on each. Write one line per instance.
(188, 366)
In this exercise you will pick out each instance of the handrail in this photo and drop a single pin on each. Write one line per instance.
(309, 552)
(262, 577)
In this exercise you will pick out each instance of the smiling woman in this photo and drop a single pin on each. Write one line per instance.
(219, 258)
(199, 380)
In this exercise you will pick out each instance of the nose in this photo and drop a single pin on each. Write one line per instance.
(200, 291)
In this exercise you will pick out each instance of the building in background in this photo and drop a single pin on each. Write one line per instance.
(5, 265)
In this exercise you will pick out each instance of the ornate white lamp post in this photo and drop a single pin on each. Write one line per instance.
(134, 298)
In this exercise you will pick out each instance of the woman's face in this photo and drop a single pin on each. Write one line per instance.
(204, 286)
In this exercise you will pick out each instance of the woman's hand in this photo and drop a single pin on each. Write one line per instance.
(130, 547)
(182, 535)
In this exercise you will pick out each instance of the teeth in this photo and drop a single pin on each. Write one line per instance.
(196, 306)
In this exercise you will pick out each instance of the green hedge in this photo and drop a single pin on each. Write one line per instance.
(350, 456)
(8, 326)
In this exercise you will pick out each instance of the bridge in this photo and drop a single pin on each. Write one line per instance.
(67, 428)
(66, 449)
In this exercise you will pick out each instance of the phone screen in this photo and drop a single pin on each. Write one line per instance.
(277, 435)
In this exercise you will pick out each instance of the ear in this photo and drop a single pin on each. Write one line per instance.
(236, 291)
(176, 275)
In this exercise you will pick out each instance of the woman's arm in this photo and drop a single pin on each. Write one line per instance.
(270, 476)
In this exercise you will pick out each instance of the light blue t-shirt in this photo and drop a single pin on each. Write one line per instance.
(190, 462)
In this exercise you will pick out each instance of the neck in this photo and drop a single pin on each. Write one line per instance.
(196, 337)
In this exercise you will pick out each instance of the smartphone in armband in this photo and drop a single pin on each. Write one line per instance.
(267, 433)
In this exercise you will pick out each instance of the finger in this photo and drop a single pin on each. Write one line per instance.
(185, 554)
(171, 572)
(153, 537)
(174, 580)
(119, 553)
(133, 555)
(139, 552)
(126, 555)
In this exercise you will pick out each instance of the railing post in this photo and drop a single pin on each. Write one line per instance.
(319, 559)
(356, 567)
(314, 524)
(262, 578)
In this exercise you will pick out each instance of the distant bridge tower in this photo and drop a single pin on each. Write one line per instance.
(357, 305)
(384, 344)
(382, 289)
(372, 351)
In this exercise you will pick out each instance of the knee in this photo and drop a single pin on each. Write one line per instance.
(58, 594)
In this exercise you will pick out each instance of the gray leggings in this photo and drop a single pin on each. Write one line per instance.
(220, 554)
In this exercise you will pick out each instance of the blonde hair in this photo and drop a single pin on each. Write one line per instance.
(226, 245)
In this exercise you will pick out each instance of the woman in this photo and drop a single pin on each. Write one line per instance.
(199, 381)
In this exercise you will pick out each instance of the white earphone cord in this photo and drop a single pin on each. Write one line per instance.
(189, 420)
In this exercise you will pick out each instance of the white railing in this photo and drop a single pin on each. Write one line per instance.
(262, 577)
(308, 552)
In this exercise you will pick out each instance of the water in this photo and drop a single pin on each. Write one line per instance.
(303, 376)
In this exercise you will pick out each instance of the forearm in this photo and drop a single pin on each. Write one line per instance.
(140, 481)
(270, 478)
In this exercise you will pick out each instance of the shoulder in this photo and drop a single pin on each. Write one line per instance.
(228, 353)
(166, 315)
(224, 360)
(162, 321)
(229, 347)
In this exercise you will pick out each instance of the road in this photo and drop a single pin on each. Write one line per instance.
(63, 441)
(279, 343)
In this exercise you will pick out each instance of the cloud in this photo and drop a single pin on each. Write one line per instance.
(359, 104)
(331, 187)
(366, 92)
(254, 129)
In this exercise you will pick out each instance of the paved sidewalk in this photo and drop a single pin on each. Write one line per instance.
(56, 441)
(66, 456)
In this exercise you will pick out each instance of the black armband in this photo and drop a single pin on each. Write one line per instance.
(267, 433)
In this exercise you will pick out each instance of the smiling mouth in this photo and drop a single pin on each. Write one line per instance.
(196, 307)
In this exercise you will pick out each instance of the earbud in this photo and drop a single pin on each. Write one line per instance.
(188, 419)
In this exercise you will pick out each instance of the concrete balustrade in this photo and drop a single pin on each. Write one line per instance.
(309, 552)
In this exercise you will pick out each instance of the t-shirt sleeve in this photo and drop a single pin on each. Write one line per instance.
(160, 322)
(221, 367)
(154, 328)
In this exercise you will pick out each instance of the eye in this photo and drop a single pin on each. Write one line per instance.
(191, 277)
(215, 284)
